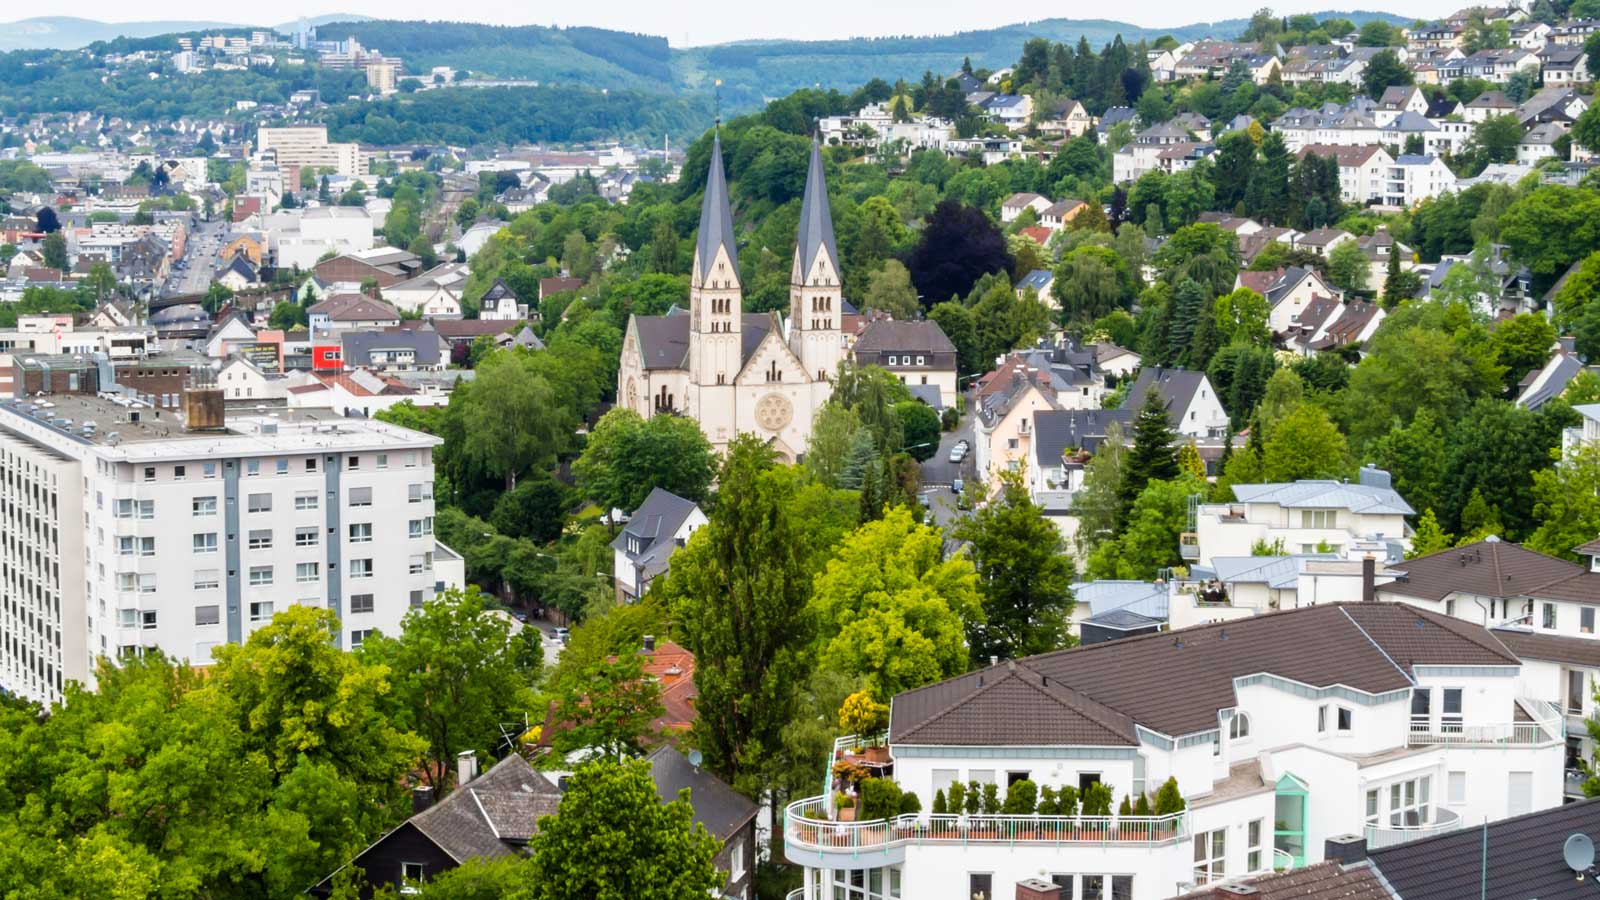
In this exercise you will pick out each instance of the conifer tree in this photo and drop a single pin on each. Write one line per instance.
(1152, 457)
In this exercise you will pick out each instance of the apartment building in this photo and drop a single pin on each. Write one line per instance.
(131, 528)
(1278, 731)
(296, 147)
(1308, 516)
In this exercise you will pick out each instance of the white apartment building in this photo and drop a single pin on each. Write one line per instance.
(1414, 178)
(299, 146)
(129, 531)
(1310, 516)
(1280, 732)
(301, 237)
(1361, 169)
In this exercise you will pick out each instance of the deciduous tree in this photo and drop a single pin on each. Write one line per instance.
(1023, 575)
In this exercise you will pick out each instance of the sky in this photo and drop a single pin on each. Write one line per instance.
(695, 22)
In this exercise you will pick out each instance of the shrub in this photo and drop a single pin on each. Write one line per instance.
(939, 807)
(880, 799)
(949, 419)
(991, 799)
(1048, 804)
(1067, 801)
(974, 798)
(1141, 806)
(958, 798)
(842, 800)
(861, 715)
(1126, 807)
(1097, 800)
(1021, 798)
(1168, 800)
(909, 804)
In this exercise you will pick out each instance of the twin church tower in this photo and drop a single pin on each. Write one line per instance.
(733, 371)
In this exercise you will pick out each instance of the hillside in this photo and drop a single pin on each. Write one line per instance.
(67, 33)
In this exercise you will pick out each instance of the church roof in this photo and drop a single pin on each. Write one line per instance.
(664, 340)
(716, 217)
(816, 221)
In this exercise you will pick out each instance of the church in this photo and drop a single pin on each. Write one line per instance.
(733, 371)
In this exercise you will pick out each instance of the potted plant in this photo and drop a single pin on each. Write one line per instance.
(1022, 798)
(958, 804)
(846, 806)
(862, 716)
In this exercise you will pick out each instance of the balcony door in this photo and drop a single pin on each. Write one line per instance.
(1289, 833)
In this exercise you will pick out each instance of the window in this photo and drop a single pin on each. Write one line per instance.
(1576, 688)
(359, 637)
(361, 496)
(416, 565)
(1421, 710)
(360, 532)
(1408, 802)
(205, 542)
(208, 470)
(416, 599)
(127, 508)
(305, 500)
(423, 527)
(355, 464)
(207, 615)
(1239, 728)
(1372, 807)
(136, 546)
(260, 610)
(281, 467)
(1253, 845)
(1210, 856)
(305, 537)
(179, 473)
(1450, 716)
(260, 576)
(1319, 518)
(736, 861)
(1093, 886)
(207, 579)
(261, 539)
(1549, 615)
(1322, 719)
(252, 467)
(980, 886)
(411, 459)
(1122, 887)
(260, 503)
(361, 568)
(383, 460)
(307, 573)
(149, 473)
(417, 493)
(311, 464)
(1585, 614)
(361, 603)
(127, 618)
(205, 506)
(1346, 718)
(1457, 789)
(147, 620)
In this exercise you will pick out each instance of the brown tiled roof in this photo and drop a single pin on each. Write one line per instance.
(1260, 282)
(1590, 549)
(1175, 682)
(1012, 700)
(915, 337)
(1488, 568)
(354, 308)
(1559, 648)
(1583, 587)
(1320, 881)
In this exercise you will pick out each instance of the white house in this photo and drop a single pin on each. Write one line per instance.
(643, 551)
(1310, 516)
(1189, 398)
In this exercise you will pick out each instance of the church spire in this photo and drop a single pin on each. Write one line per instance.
(816, 220)
(716, 218)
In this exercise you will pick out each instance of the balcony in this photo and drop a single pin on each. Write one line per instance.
(1381, 836)
(1189, 545)
(819, 840)
(1544, 725)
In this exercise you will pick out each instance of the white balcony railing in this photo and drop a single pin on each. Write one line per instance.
(1381, 836)
(1545, 727)
(807, 826)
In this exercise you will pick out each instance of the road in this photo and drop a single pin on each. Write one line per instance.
(938, 473)
(200, 260)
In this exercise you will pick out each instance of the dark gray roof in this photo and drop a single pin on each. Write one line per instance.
(359, 345)
(1178, 386)
(1176, 682)
(497, 292)
(716, 217)
(1566, 368)
(1488, 568)
(721, 809)
(653, 524)
(664, 340)
(1523, 859)
(1527, 644)
(891, 336)
(816, 221)
(1123, 620)
(1058, 430)
(483, 817)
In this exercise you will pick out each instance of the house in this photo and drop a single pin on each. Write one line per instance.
(1353, 324)
(643, 550)
(1237, 587)
(1550, 380)
(1063, 442)
(1552, 104)
(1012, 206)
(352, 311)
(1038, 281)
(1413, 178)
(1307, 516)
(558, 285)
(1113, 117)
(1563, 66)
(1486, 106)
(500, 304)
(435, 293)
(918, 353)
(1108, 610)
(1280, 731)
(1487, 582)
(1056, 216)
(1011, 110)
(726, 814)
(242, 378)
(1190, 401)
(227, 334)
(1321, 241)
(237, 273)
(1288, 292)
(487, 816)
(1065, 118)
(1116, 362)
(384, 265)
(1539, 142)
(1494, 66)
(393, 350)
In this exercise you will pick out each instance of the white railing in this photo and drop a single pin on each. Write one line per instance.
(1282, 860)
(807, 826)
(1545, 728)
(1381, 836)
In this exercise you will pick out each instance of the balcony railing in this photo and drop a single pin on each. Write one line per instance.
(1381, 836)
(1546, 727)
(807, 826)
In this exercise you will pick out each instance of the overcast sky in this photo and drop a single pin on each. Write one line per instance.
(691, 22)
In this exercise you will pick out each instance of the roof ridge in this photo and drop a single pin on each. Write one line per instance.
(1377, 646)
(1091, 707)
(958, 701)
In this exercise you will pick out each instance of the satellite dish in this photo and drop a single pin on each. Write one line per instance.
(1578, 851)
(695, 757)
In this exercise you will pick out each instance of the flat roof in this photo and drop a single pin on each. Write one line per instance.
(160, 433)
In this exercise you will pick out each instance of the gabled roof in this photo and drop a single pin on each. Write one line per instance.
(716, 217)
(1508, 859)
(501, 806)
(1529, 644)
(891, 335)
(1178, 386)
(1176, 682)
(1056, 431)
(354, 308)
(360, 345)
(1488, 568)
(816, 221)
(1038, 279)
(721, 809)
(1318, 881)
(1142, 597)
(653, 524)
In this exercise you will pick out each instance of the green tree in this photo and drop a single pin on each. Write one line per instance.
(455, 678)
(535, 509)
(1305, 444)
(1097, 505)
(1495, 140)
(54, 250)
(510, 419)
(1384, 70)
(613, 839)
(1551, 226)
(1024, 576)
(627, 457)
(833, 437)
(1521, 344)
(957, 323)
(1090, 282)
(1149, 543)
(1428, 537)
(1348, 268)
(287, 315)
(891, 610)
(1566, 503)
(1242, 318)
(1153, 457)
(1415, 455)
(919, 425)
(1586, 131)
(889, 289)
(608, 705)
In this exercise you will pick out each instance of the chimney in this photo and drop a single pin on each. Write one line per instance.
(649, 643)
(466, 766)
(203, 407)
(1038, 889)
(1369, 569)
(421, 798)
(1345, 849)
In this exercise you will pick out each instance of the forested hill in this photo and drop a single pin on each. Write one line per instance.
(751, 71)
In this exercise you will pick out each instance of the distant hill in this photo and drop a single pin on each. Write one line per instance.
(68, 33)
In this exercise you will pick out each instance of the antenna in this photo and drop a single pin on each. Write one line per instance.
(695, 757)
(1578, 851)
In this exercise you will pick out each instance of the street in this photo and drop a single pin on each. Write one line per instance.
(938, 473)
(200, 260)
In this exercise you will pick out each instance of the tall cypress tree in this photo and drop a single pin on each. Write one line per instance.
(1152, 457)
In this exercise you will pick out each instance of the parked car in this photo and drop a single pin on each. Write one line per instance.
(956, 486)
(562, 635)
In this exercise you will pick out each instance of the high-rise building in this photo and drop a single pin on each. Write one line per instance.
(299, 146)
(129, 528)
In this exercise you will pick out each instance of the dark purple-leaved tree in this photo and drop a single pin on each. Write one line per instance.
(959, 245)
